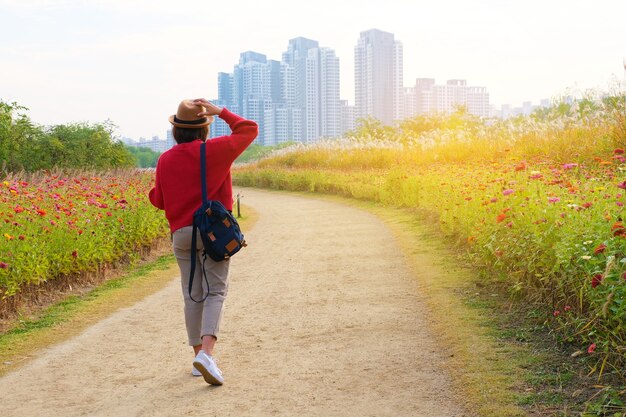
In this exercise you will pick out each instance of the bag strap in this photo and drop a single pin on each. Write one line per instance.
(203, 170)
(195, 230)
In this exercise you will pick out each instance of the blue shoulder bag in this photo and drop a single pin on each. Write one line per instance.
(217, 227)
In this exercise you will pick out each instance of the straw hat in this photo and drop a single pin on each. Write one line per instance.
(187, 115)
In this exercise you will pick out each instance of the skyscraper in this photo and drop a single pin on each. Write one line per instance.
(330, 103)
(378, 68)
(295, 99)
(252, 88)
(315, 86)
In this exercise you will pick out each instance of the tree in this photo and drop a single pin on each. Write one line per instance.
(24, 145)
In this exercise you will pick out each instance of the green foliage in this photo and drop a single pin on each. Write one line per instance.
(371, 129)
(255, 152)
(29, 147)
(144, 157)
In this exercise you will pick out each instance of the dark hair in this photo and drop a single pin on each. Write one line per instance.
(184, 135)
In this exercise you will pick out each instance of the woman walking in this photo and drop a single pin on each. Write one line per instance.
(178, 191)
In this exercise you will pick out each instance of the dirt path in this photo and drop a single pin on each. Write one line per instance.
(323, 319)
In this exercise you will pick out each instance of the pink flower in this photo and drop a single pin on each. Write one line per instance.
(556, 313)
(567, 308)
(569, 166)
(622, 185)
(508, 192)
(553, 200)
(4, 265)
(591, 348)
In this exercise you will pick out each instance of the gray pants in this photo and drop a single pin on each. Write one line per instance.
(201, 319)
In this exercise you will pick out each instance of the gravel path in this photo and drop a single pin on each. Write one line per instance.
(323, 319)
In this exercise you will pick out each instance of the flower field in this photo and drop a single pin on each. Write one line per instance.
(539, 204)
(54, 224)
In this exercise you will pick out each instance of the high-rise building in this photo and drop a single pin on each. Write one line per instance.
(219, 127)
(378, 70)
(296, 99)
(424, 95)
(169, 138)
(313, 87)
(433, 98)
(304, 83)
(329, 100)
(409, 103)
(348, 121)
(478, 101)
(252, 88)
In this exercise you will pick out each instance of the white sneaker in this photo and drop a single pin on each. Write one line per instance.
(195, 372)
(208, 368)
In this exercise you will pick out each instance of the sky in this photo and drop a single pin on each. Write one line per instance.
(133, 61)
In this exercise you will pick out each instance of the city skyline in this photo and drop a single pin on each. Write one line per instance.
(132, 62)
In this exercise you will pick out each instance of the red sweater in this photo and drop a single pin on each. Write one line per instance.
(178, 189)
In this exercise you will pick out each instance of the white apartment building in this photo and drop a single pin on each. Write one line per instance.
(312, 74)
(330, 107)
(378, 71)
(447, 98)
(348, 119)
(478, 101)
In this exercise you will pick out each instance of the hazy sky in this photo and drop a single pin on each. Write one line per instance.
(133, 60)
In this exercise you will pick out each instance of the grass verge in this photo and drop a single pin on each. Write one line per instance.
(69, 317)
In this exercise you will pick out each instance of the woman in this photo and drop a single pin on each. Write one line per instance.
(178, 192)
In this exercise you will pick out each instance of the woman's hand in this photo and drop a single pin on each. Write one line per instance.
(211, 109)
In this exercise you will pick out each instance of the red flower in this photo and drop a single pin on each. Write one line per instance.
(500, 218)
(622, 185)
(75, 254)
(591, 348)
(556, 313)
(618, 229)
(587, 205)
(4, 265)
(599, 249)
(41, 212)
(520, 167)
(618, 151)
(596, 280)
